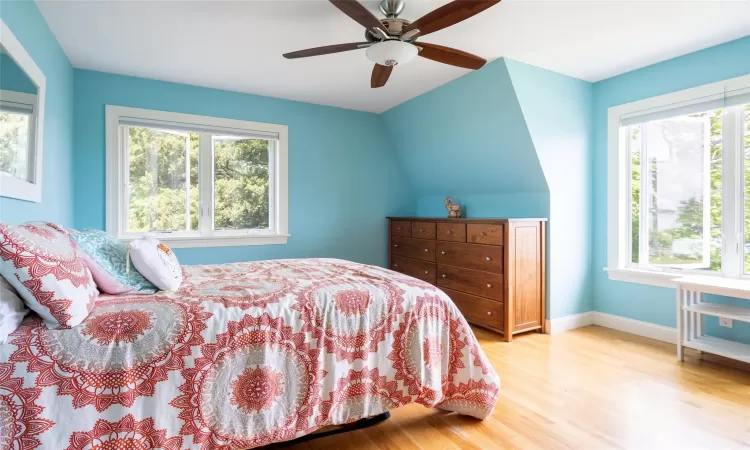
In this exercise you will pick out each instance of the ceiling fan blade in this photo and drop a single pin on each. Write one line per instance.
(449, 14)
(380, 75)
(359, 13)
(327, 49)
(447, 55)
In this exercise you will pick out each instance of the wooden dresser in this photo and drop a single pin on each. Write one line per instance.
(492, 269)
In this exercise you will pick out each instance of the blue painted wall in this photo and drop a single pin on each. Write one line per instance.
(29, 27)
(468, 139)
(13, 78)
(558, 111)
(509, 140)
(344, 177)
(646, 303)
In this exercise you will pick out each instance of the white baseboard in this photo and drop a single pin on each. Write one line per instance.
(637, 327)
(562, 324)
(632, 326)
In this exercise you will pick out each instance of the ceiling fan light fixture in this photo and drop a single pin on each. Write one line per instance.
(392, 52)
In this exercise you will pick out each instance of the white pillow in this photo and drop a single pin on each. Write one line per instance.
(12, 310)
(157, 263)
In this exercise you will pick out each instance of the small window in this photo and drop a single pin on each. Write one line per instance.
(16, 136)
(195, 180)
(679, 183)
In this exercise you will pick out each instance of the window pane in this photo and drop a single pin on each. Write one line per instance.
(163, 180)
(241, 183)
(14, 145)
(682, 178)
(634, 137)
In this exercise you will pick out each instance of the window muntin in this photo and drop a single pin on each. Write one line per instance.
(195, 179)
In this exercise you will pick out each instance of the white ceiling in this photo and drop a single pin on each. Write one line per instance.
(237, 45)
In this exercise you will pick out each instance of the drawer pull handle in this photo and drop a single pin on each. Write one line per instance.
(427, 249)
(395, 265)
(421, 230)
(449, 231)
(443, 275)
(426, 271)
(395, 245)
(443, 252)
(489, 285)
(488, 258)
(489, 313)
(399, 228)
(482, 234)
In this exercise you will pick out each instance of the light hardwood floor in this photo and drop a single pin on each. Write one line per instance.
(591, 388)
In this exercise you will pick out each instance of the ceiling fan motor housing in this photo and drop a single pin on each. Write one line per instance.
(391, 8)
(394, 27)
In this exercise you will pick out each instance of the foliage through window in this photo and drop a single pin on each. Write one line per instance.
(202, 181)
(681, 206)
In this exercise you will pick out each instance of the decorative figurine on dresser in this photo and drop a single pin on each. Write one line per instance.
(454, 209)
(492, 269)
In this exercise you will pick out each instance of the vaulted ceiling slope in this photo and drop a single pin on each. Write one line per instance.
(467, 137)
(237, 45)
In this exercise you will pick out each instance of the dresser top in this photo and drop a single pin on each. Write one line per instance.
(468, 220)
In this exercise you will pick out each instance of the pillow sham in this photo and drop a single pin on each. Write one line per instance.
(42, 263)
(12, 310)
(107, 259)
(157, 263)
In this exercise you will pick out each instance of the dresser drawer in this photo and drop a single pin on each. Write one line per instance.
(473, 256)
(423, 270)
(484, 233)
(400, 228)
(477, 310)
(475, 282)
(455, 232)
(423, 230)
(413, 248)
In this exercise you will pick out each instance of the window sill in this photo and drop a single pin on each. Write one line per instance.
(219, 241)
(661, 279)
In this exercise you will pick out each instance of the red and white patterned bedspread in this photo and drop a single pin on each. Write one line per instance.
(241, 356)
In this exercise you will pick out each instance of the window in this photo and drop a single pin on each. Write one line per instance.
(22, 99)
(17, 134)
(195, 180)
(679, 184)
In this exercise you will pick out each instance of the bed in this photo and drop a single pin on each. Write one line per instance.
(241, 356)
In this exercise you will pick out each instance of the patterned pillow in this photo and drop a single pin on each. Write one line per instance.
(43, 264)
(107, 259)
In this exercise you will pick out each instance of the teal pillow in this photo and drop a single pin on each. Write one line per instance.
(107, 258)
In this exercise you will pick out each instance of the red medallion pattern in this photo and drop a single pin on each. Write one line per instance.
(58, 284)
(118, 326)
(256, 389)
(58, 307)
(125, 434)
(43, 251)
(467, 398)
(427, 348)
(242, 294)
(151, 339)
(279, 361)
(19, 414)
(354, 326)
(361, 394)
(203, 368)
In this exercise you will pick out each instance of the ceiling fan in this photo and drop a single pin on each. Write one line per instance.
(392, 41)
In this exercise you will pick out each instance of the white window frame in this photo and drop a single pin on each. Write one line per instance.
(619, 234)
(29, 190)
(117, 180)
